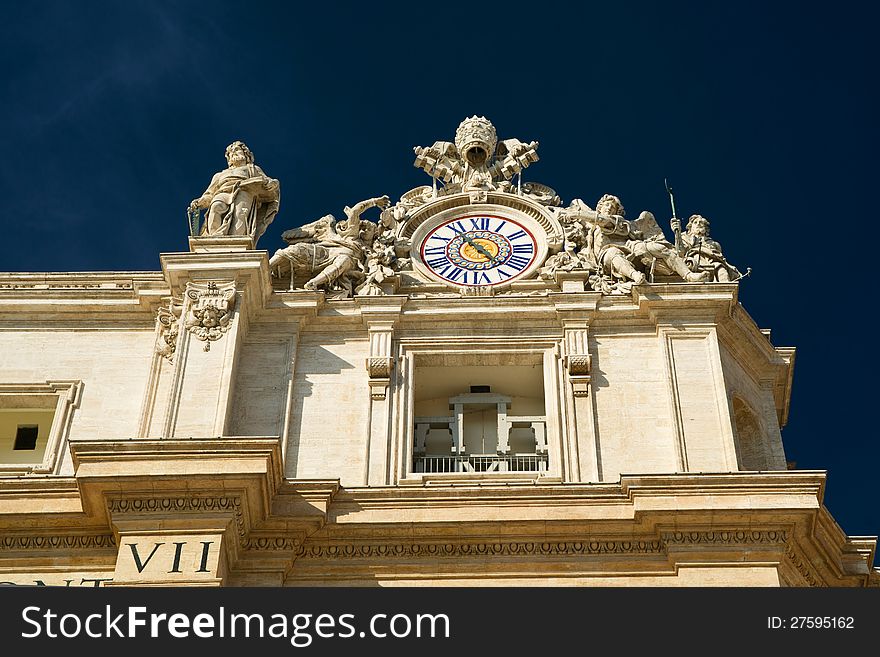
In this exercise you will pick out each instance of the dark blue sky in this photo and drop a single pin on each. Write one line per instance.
(115, 115)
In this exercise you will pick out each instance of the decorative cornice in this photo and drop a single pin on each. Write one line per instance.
(461, 550)
(542, 548)
(65, 542)
(801, 567)
(731, 537)
(163, 505)
(270, 544)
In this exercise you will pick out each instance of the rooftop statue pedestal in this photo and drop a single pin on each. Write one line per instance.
(225, 244)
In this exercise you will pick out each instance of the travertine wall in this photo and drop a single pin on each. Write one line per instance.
(758, 400)
(260, 389)
(330, 409)
(112, 364)
(663, 396)
(633, 409)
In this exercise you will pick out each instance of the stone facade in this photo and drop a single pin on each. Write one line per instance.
(586, 415)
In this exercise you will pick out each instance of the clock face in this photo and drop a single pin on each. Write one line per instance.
(478, 250)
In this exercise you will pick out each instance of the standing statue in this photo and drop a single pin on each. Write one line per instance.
(241, 199)
(331, 253)
(703, 254)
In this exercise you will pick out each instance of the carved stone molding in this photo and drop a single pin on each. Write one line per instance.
(734, 537)
(168, 324)
(270, 544)
(379, 389)
(460, 550)
(477, 291)
(330, 551)
(65, 542)
(164, 505)
(210, 311)
(800, 565)
(380, 361)
(579, 365)
(379, 368)
(580, 386)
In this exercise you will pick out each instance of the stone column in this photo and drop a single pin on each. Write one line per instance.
(503, 429)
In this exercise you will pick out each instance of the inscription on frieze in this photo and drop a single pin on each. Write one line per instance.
(168, 558)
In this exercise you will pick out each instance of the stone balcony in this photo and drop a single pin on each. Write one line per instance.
(526, 429)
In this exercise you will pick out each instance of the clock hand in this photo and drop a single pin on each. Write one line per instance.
(479, 249)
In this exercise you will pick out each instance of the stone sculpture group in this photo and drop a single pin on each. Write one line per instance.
(356, 256)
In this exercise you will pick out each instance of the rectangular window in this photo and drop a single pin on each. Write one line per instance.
(34, 422)
(479, 414)
(26, 437)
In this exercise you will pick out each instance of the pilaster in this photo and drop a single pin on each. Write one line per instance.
(220, 291)
(583, 439)
(380, 315)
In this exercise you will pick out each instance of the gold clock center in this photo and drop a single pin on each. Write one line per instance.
(470, 251)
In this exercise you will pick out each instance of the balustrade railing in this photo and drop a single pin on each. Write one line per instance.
(458, 460)
(481, 463)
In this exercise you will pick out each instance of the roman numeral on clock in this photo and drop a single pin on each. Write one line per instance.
(517, 262)
(479, 278)
(517, 235)
(436, 263)
(480, 223)
(455, 273)
(523, 248)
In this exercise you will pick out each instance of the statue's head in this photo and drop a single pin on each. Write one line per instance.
(610, 205)
(368, 231)
(238, 154)
(475, 140)
(698, 225)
